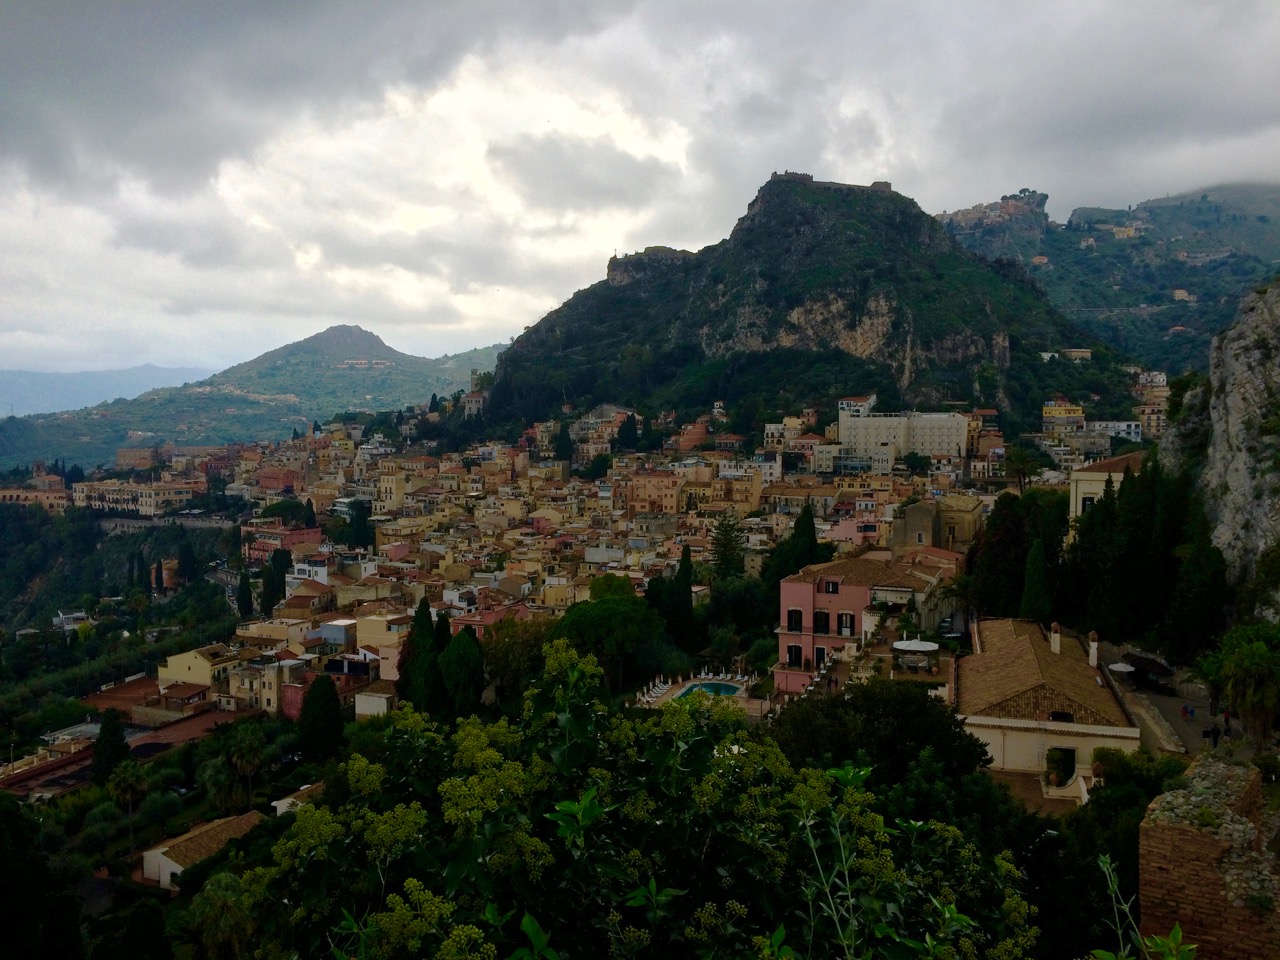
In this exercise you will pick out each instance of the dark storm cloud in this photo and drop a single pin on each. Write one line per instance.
(557, 172)
(170, 90)
(277, 167)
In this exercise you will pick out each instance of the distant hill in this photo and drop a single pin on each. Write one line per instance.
(820, 291)
(342, 368)
(27, 391)
(1157, 280)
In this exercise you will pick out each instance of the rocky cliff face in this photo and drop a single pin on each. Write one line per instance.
(1241, 474)
(854, 289)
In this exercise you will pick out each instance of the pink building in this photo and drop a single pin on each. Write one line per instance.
(828, 605)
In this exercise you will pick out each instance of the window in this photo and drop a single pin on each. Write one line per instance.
(1086, 503)
(919, 538)
(794, 654)
(821, 621)
(830, 586)
(844, 624)
(795, 621)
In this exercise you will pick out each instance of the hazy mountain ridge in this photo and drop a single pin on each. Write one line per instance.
(264, 398)
(1158, 280)
(24, 392)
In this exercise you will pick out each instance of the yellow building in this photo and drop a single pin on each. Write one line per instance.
(1089, 482)
(206, 665)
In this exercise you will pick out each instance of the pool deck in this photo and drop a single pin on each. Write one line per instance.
(754, 708)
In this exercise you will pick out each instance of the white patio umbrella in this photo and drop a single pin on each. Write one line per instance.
(916, 646)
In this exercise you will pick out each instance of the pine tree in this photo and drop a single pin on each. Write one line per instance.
(320, 721)
(1037, 599)
(727, 543)
(434, 405)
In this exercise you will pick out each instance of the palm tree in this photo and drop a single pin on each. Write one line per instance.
(218, 912)
(127, 786)
(963, 589)
(1251, 682)
(1020, 464)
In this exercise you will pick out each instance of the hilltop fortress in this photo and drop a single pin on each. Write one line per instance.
(884, 186)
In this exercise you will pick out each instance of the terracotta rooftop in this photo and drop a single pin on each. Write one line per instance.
(1017, 674)
(865, 572)
(1116, 464)
(206, 840)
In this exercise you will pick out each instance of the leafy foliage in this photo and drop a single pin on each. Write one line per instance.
(575, 831)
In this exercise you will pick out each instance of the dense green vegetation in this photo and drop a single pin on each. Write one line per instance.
(65, 563)
(1149, 534)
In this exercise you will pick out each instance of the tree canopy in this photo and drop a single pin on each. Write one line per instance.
(577, 830)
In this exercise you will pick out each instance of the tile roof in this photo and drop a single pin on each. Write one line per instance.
(1116, 464)
(204, 841)
(1017, 675)
(866, 572)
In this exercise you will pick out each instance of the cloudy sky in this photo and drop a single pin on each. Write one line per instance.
(190, 183)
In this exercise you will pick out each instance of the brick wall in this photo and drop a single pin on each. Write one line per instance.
(1202, 865)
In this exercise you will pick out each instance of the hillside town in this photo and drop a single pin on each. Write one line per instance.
(502, 531)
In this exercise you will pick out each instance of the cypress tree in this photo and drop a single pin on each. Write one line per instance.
(1037, 601)
(244, 596)
(677, 600)
(309, 520)
(268, 596)
(320, 720)
(462, 669)
(417, 665)
(441, 633)
(564, 443)
(110, 749)
(188, 566)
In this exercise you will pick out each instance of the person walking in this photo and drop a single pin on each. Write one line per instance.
(1226, 718)
(1215, 732)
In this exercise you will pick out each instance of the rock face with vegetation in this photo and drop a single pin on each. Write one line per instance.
(1241, 473)
(1157, 280)
(820, 290)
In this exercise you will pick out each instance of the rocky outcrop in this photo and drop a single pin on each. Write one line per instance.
(634, 266)
(1241, 476)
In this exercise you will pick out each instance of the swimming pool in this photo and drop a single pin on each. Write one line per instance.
(715, 689)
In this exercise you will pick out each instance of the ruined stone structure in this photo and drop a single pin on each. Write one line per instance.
(1203, 863)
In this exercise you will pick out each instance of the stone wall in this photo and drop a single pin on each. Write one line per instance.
(1203, 864)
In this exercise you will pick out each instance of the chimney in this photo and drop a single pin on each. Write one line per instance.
(1093, 648)
(1055, 638)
